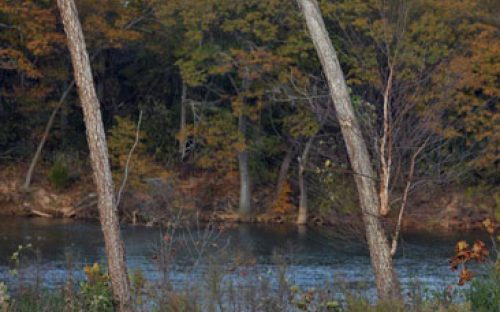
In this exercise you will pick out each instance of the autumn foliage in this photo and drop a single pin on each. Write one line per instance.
(254, 58)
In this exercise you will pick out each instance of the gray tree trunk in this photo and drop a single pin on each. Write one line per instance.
(98, 154)
(385, 276)
(245, 192)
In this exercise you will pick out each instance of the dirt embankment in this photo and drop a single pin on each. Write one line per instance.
(449, 210)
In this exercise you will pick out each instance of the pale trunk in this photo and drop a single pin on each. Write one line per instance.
(98, 154)
(385, 276)
(302, 216)
(41, 144)
(245, 194)
(386, 151)
(394, 244)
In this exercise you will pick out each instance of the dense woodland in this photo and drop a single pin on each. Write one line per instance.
(232, 93)
(225, 106)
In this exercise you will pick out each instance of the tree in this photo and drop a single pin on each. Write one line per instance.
(385, 276)
(98, 154)
(229, 53)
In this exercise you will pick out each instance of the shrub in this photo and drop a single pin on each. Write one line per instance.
(95, 291)
(59, 175)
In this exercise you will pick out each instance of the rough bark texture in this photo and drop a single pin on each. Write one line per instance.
(302, 216)
(98, 154)
(385, 277)
(245, 193)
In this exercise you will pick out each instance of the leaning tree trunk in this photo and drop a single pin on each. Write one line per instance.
(98, 154)
(385, 276)
(245, 193)
(41, 144)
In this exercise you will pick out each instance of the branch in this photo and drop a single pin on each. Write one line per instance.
(129, 157)
(394, 244)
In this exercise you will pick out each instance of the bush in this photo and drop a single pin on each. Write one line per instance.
(96, 291)
(59, 175)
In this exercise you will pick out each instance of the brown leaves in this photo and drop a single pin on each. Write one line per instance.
(479, 251)
(463, 254)
(283, 203)
(465, 276)
(489, 226)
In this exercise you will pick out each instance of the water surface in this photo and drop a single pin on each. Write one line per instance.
(311, 257)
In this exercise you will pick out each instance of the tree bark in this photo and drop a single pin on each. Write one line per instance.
(98, 154)
(385, 276)
(302, 216)
(386, 149)
(245, 193)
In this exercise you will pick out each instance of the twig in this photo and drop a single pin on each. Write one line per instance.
(394, 245)
(129, 157)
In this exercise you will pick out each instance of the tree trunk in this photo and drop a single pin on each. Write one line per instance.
(302, 216)
(385, 276)
(386, 150)
(182, 128)
(245, 193)
(41, 144)
(285, 165)
(98, 154)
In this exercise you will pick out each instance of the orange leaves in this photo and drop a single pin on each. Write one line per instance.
(31, 33)
(461, 249)
(467, 88)
(94, 274)
(283, 204)
(465, 276)
(479, 252)
(12, 59)
(463, 254)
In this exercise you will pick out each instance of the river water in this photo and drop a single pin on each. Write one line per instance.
(311, 257)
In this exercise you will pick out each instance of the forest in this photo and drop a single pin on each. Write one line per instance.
(249, 142)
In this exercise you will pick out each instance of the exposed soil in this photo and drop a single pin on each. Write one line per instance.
(445, 210)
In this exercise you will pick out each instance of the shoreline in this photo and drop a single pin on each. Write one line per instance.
(450, 210)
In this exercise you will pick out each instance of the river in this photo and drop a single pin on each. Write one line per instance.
(311, 257)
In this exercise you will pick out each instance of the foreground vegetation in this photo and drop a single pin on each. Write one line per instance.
(215, 293)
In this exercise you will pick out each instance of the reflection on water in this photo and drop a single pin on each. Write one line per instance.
(312, 257)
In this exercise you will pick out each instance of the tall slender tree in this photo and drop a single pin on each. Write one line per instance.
(385, 276)
(98, 154)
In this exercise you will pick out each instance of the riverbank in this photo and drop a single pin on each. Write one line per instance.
(452, 209)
